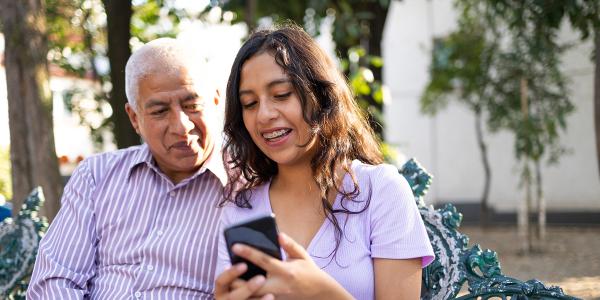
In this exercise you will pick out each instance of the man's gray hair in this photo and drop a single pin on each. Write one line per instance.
(161, 56)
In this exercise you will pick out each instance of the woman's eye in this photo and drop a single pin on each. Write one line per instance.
(249, 105)
(283, 95)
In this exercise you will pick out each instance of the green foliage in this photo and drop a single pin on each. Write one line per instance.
(367, 91)
(277, 10)
(537, 126)
(155, 19)
(5, 175)
(583, 15)
(78, 45)
(356, 22)
(459, 68)
(503, 63)
(528, 62)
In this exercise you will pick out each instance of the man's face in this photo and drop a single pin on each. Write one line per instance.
(170, 117)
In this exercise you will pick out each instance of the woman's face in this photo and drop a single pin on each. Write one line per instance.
(272, 112)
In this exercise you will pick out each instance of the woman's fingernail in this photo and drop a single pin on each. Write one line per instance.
(284, 237)
(237, 248)
(240, 267)
(269, 297)
(259, 279)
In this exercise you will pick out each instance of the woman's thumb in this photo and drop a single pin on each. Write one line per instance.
(293, 249)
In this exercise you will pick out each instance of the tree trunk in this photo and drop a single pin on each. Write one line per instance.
(525, 207)
(597, 96)
(118, 19)
(250, 14)
(541, 208)
(33, 155)
(485, 212)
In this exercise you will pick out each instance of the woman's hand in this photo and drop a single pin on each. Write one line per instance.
(229, 286)
(297, 278)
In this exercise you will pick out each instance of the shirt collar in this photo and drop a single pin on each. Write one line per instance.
(214, 163)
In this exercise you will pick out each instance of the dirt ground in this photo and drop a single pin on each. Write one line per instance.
(571, 258)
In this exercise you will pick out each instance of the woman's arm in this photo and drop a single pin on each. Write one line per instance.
(397, 278)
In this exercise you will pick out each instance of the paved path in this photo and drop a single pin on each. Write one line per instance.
(571, 258)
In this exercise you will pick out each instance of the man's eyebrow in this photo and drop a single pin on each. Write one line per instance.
(269, 85)
(191, 96)
(155, 102)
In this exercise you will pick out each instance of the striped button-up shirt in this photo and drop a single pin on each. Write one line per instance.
(125, 231)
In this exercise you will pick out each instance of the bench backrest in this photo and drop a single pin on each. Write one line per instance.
(456, 264)
(19, 239)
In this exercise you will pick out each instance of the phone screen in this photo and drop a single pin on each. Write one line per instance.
(259, 233)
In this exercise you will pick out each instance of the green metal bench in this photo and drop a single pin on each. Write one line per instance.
(19, 239)
(455, 264)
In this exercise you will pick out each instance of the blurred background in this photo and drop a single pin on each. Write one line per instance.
(498, 99)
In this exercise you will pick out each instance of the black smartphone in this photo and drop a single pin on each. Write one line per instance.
(259, 233)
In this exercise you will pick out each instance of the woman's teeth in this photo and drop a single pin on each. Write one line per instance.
(275, 134)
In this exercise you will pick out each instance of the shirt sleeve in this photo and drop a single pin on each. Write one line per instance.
(223, 261)
(397, 229)
(66, 257)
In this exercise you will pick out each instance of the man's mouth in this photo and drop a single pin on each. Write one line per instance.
(182, 145)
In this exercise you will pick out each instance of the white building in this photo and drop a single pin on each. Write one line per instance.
(446, 144)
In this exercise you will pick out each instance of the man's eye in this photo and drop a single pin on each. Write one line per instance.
(283, 95)
(159, 112)
(194, 106)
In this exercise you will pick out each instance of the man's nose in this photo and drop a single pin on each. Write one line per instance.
(181, 123)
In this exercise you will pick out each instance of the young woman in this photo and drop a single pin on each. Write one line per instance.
(301, 149)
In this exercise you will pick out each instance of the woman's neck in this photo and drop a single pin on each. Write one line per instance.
(299, 180)
(295, 177)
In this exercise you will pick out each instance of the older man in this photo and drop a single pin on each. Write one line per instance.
(142, 222)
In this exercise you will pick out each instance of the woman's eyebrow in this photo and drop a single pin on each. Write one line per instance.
(279, 81)
(269, 85)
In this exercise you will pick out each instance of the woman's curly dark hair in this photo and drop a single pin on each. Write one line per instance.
(340, 128)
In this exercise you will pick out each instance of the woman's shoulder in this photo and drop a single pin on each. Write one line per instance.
(383, 182)
(379, 172)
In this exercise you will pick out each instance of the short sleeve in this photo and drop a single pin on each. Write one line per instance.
(397, 229)
(223, 261)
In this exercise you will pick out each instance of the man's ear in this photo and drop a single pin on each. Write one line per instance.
(133, 117)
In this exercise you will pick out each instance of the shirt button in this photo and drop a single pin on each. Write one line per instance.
(138, 294)
(172, 193)
(150, 268)
(159, 233)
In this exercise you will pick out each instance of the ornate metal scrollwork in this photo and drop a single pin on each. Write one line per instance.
(19, 239)
(456, 264)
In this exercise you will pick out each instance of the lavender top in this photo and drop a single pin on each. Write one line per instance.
(391, 227)
(124, 231)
